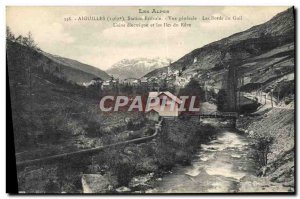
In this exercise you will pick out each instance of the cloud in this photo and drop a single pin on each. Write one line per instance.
(97, 56)
(47, 30)
(100, 44)
(51, 34)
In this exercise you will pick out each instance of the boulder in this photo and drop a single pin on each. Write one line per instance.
(141, 181)
(151, 191)
(96, 183)
(123, 189)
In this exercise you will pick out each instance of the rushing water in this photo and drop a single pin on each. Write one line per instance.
(217, 167)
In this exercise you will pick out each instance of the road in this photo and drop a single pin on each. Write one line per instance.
(265, 102)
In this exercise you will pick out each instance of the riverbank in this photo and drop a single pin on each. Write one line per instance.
(272, 131)
(139, 168)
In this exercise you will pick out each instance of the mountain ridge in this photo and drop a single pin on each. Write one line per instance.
(78, 65)
(242, 50)
(136, 68)
(63, 68)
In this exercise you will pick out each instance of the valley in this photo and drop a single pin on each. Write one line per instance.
(244, 84)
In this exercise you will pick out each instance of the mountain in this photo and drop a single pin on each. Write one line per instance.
(63, 68)
(44, 98)
(51, 112)
(262, 55)
(78, 65)
(136, 68)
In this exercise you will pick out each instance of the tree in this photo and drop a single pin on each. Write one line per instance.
(193, 88)
(30, 42)
(19, 39)
(9, 34)
(27, 41)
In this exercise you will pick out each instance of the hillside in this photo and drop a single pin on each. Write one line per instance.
(278, 174)
(262, 55)
(50, 113)
(78, 65)
(136, 68)
(63, 68)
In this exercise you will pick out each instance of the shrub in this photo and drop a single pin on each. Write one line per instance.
(124, 170)
(261, 144)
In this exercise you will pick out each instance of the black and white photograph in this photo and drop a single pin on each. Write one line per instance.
(150, 100)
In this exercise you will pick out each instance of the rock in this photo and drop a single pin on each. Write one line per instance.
(159, 179)
(138, 192)
(260, 184)
(123, 189)
(128, 151)
(289, 184)
(96, 183)
(236, 156)
(139, 181)
(151, 191)
(264, 170)
(251, 133)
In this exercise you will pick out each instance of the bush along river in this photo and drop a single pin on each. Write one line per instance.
(217, 167)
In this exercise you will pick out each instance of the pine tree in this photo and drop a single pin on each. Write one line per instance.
(9, 34)
(30, 42)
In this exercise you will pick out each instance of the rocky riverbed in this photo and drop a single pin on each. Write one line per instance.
(218, 167)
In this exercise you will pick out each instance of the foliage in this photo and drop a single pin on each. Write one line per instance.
(9, 34)
(284, 89)
(192, 88)
(24, 40)
(175, 146)
(262, 143)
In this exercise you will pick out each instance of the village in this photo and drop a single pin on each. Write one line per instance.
(170, 78)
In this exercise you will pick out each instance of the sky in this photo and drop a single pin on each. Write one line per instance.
(99, 44)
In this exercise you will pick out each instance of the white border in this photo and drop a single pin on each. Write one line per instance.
(5, 3)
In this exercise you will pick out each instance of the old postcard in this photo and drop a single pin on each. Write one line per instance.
(151, 100)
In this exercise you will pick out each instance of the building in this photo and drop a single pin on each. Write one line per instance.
(144, 82)
(131, 81)
(181, 81)
(94, 81)
(106, 85)
(168, 106)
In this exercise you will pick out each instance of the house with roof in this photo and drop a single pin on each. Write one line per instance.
(167, 107)
(143, 81)
(94, 81)
(131, 81)
(106, 85)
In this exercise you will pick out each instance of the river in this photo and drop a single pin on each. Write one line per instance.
(216, 168)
